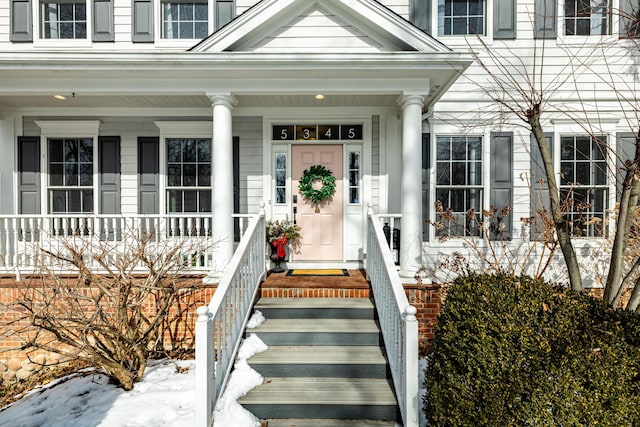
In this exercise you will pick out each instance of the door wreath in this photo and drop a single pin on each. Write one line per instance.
(321, 194)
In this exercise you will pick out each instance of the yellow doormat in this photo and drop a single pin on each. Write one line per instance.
(314, 272)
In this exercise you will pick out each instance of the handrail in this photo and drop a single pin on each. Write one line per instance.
(397, 320)
(220, 325)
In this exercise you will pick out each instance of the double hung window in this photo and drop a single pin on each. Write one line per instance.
(64, 19)
(71, 175)
(583, 183)
(188, 175)
(461, 17)
(185, 19)
(586, 17)
(459, 190)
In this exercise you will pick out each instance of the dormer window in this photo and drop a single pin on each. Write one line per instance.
(64, 19)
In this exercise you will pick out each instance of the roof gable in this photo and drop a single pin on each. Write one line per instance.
(319, 26)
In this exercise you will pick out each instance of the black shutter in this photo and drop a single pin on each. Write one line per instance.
(625, 151)
(544, 21)
(103, 21)
(21, 22)
(540, 199)
(224, 12)
(142, 21)
(629, 18)
(504, 19)
(426, 185)
(501, 183)
(420, 14)
(109, 170)
(29, 174)
(148, 175)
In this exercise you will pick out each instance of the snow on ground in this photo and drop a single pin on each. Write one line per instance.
(164, 397)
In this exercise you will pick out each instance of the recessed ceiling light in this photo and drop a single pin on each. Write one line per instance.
(61, 97)
(319, 97)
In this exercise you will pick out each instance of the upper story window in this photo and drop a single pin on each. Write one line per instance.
(64, 19)
(459, 188)
(586, 17)
(583, 183)
(185, 20)
(461, 17)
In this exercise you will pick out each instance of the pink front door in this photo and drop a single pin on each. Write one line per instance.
(322, 224)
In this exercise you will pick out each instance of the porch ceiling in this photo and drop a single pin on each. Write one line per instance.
(193, 101)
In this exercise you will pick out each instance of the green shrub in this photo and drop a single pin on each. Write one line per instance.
(514, 351)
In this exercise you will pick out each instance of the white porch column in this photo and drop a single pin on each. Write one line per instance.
(411, 203)
(222, 163)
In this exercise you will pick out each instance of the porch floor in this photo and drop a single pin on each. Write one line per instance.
(279, 285)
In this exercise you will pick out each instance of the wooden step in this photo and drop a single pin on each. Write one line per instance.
(301, 422)
(313, 397)
(316, 308)
(319, 332)
(322, 361)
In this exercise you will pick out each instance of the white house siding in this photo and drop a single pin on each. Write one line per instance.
(317, 29)
(583, 99)
(249, 130)
(399, 7)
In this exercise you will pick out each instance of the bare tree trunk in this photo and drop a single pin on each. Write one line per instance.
(559, 220)
(628, 203)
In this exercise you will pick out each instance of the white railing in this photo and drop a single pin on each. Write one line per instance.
(23, 237)
(397, 320)
(220, 325)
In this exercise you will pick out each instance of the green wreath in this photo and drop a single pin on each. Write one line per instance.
(327, 190)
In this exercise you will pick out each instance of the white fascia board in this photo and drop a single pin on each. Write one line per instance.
(377, 19)
(186, 61)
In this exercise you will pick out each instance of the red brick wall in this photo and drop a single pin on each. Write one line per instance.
(177, 330)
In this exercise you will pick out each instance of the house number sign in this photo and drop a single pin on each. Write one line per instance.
(316, 132)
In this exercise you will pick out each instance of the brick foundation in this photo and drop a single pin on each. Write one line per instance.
(15, 362)
(178, 329)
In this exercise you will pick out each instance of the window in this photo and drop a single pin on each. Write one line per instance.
(188, 175)
(459, 189)
(354, 177)
(64, 19)
(586, 17)
(71, 175)
(281, 178)
(185, 20)
(461, 17)
(583, 183)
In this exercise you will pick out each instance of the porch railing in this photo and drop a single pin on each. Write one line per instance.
(397, 320)
(220, 325)
(23, 237)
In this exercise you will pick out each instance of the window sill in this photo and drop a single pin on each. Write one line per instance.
(62, 43)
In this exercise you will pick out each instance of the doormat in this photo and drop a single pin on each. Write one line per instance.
(308, 272)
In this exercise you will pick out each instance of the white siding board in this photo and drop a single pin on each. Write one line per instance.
(317, 30)
(399, 7)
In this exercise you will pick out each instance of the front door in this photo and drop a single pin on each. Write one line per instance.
(321, 225)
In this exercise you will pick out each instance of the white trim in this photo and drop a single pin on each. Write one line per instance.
(41, 42)
(178, 129)
(264, 17)
(318, 116)
(66, 129)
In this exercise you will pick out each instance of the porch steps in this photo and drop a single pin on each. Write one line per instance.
(325, 364)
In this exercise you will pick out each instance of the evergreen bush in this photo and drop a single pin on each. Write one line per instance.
(514, 351)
